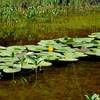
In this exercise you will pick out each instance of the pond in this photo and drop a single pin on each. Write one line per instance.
(61, 81)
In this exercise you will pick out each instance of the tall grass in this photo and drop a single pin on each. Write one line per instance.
(52, 2)
(26, 19)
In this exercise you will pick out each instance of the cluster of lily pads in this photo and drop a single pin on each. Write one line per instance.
(15, 58)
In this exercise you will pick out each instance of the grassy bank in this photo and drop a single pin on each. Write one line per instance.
(48, 25)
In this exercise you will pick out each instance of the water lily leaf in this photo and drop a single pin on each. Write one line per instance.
(27, 60)
(30, 47)
(8, 59)
(3, 66)
(65, 58)
(36, 48)
(95, 35)
(11, 70)
(16, 48)
(65, 49)
(58, 46)
(40, 48)
(61, 40)
(29, 66)
(68, 56)
(82, 40)
(97, 41)
(44, 63)
(98, 33)
(2, 59)
(47, 42)
(2, 48)
(6, 53)
(90, 53)
(92, 36)
(94, 51)
(50, 55)
(6, 64)
(74, 54)
(30, 53)
(79, 54)
(83, 45)
(17, 65)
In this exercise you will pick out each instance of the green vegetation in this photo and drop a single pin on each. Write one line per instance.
(44, 22)
(15, 58)
(93, 97)
(29, 21)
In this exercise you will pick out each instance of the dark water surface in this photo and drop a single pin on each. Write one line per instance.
(62, 81)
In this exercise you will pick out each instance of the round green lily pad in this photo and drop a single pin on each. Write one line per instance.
(68, 59)
(29, 66)
(44, 63)
(3, 66)
(11, 70)
(2, 48)
(47, 42)
(80, 40)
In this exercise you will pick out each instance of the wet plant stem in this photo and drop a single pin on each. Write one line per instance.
(13, 77)
(36, 72)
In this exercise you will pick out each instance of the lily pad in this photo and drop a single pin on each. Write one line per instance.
(36, 47)
(90, 53)
(95, 35)
(2, 48)
(64, 49)
(79, 54)
(6, 53)
(68, 59)
(28, 61)
(94, 51)
(82, 40)
(8, 59)
(3, 66)
(50, 55)
(61, 40)
(30, 47)
(44, 63)
(11, 70)
(29, 66)
(47, 42)
(16, 48)
(85, 45)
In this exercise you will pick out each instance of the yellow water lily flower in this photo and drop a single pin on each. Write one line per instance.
(50, 49)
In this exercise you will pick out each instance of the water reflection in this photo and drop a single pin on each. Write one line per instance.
(66, 81)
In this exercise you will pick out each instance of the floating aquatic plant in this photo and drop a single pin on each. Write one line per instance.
(95, 35)
(15, 58)
(92, 97)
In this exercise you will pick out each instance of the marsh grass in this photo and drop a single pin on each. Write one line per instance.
(48, 21)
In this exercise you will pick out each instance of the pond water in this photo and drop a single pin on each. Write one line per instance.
(62, 81)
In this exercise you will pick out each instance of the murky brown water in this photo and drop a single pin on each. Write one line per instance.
(62, 81)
